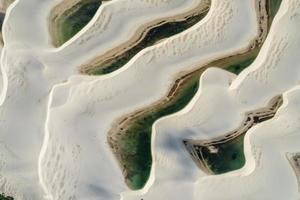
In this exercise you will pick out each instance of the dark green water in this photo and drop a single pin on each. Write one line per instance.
(136, 142)
(3, 197)
(238, 67)
(230, 156)
(274, 6)
(154, 35)
(72, 23)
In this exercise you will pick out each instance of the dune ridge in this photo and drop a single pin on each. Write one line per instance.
(55, 123)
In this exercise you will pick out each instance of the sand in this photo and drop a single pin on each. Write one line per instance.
(54, 121)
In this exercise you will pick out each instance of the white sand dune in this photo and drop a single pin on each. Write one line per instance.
(115, 23)
(28, 80)
(82, 110)
(54, 122)
(219, 107)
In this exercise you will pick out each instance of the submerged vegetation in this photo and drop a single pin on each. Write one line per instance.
(153, 36)
(135, 146)
(238, 67)
(71, 21)
(220, 157)
(3, 197)
(273, 7)
(225, 153)
(230, 156)
(135, 143)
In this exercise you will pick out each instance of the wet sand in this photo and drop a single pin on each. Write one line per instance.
(209, 154)
(126, 125)
(60, 13)
(114, 54)
(294, 161)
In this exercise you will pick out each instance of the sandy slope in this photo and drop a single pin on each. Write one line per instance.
(53, 126)
(115, 23)
(82, 110)
(218, 107)
(4, 4)
(28, 80)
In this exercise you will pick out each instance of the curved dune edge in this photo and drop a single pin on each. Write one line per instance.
(4, 4)
(267, 149)
(265, 144)
(293, 158)
(16, 63)
(107, 31)
(201, 150)
(121, 126)
(66, 6)
(81, 110)
(200, 8)
(23, 66)
(20, 57)
(99, 100)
